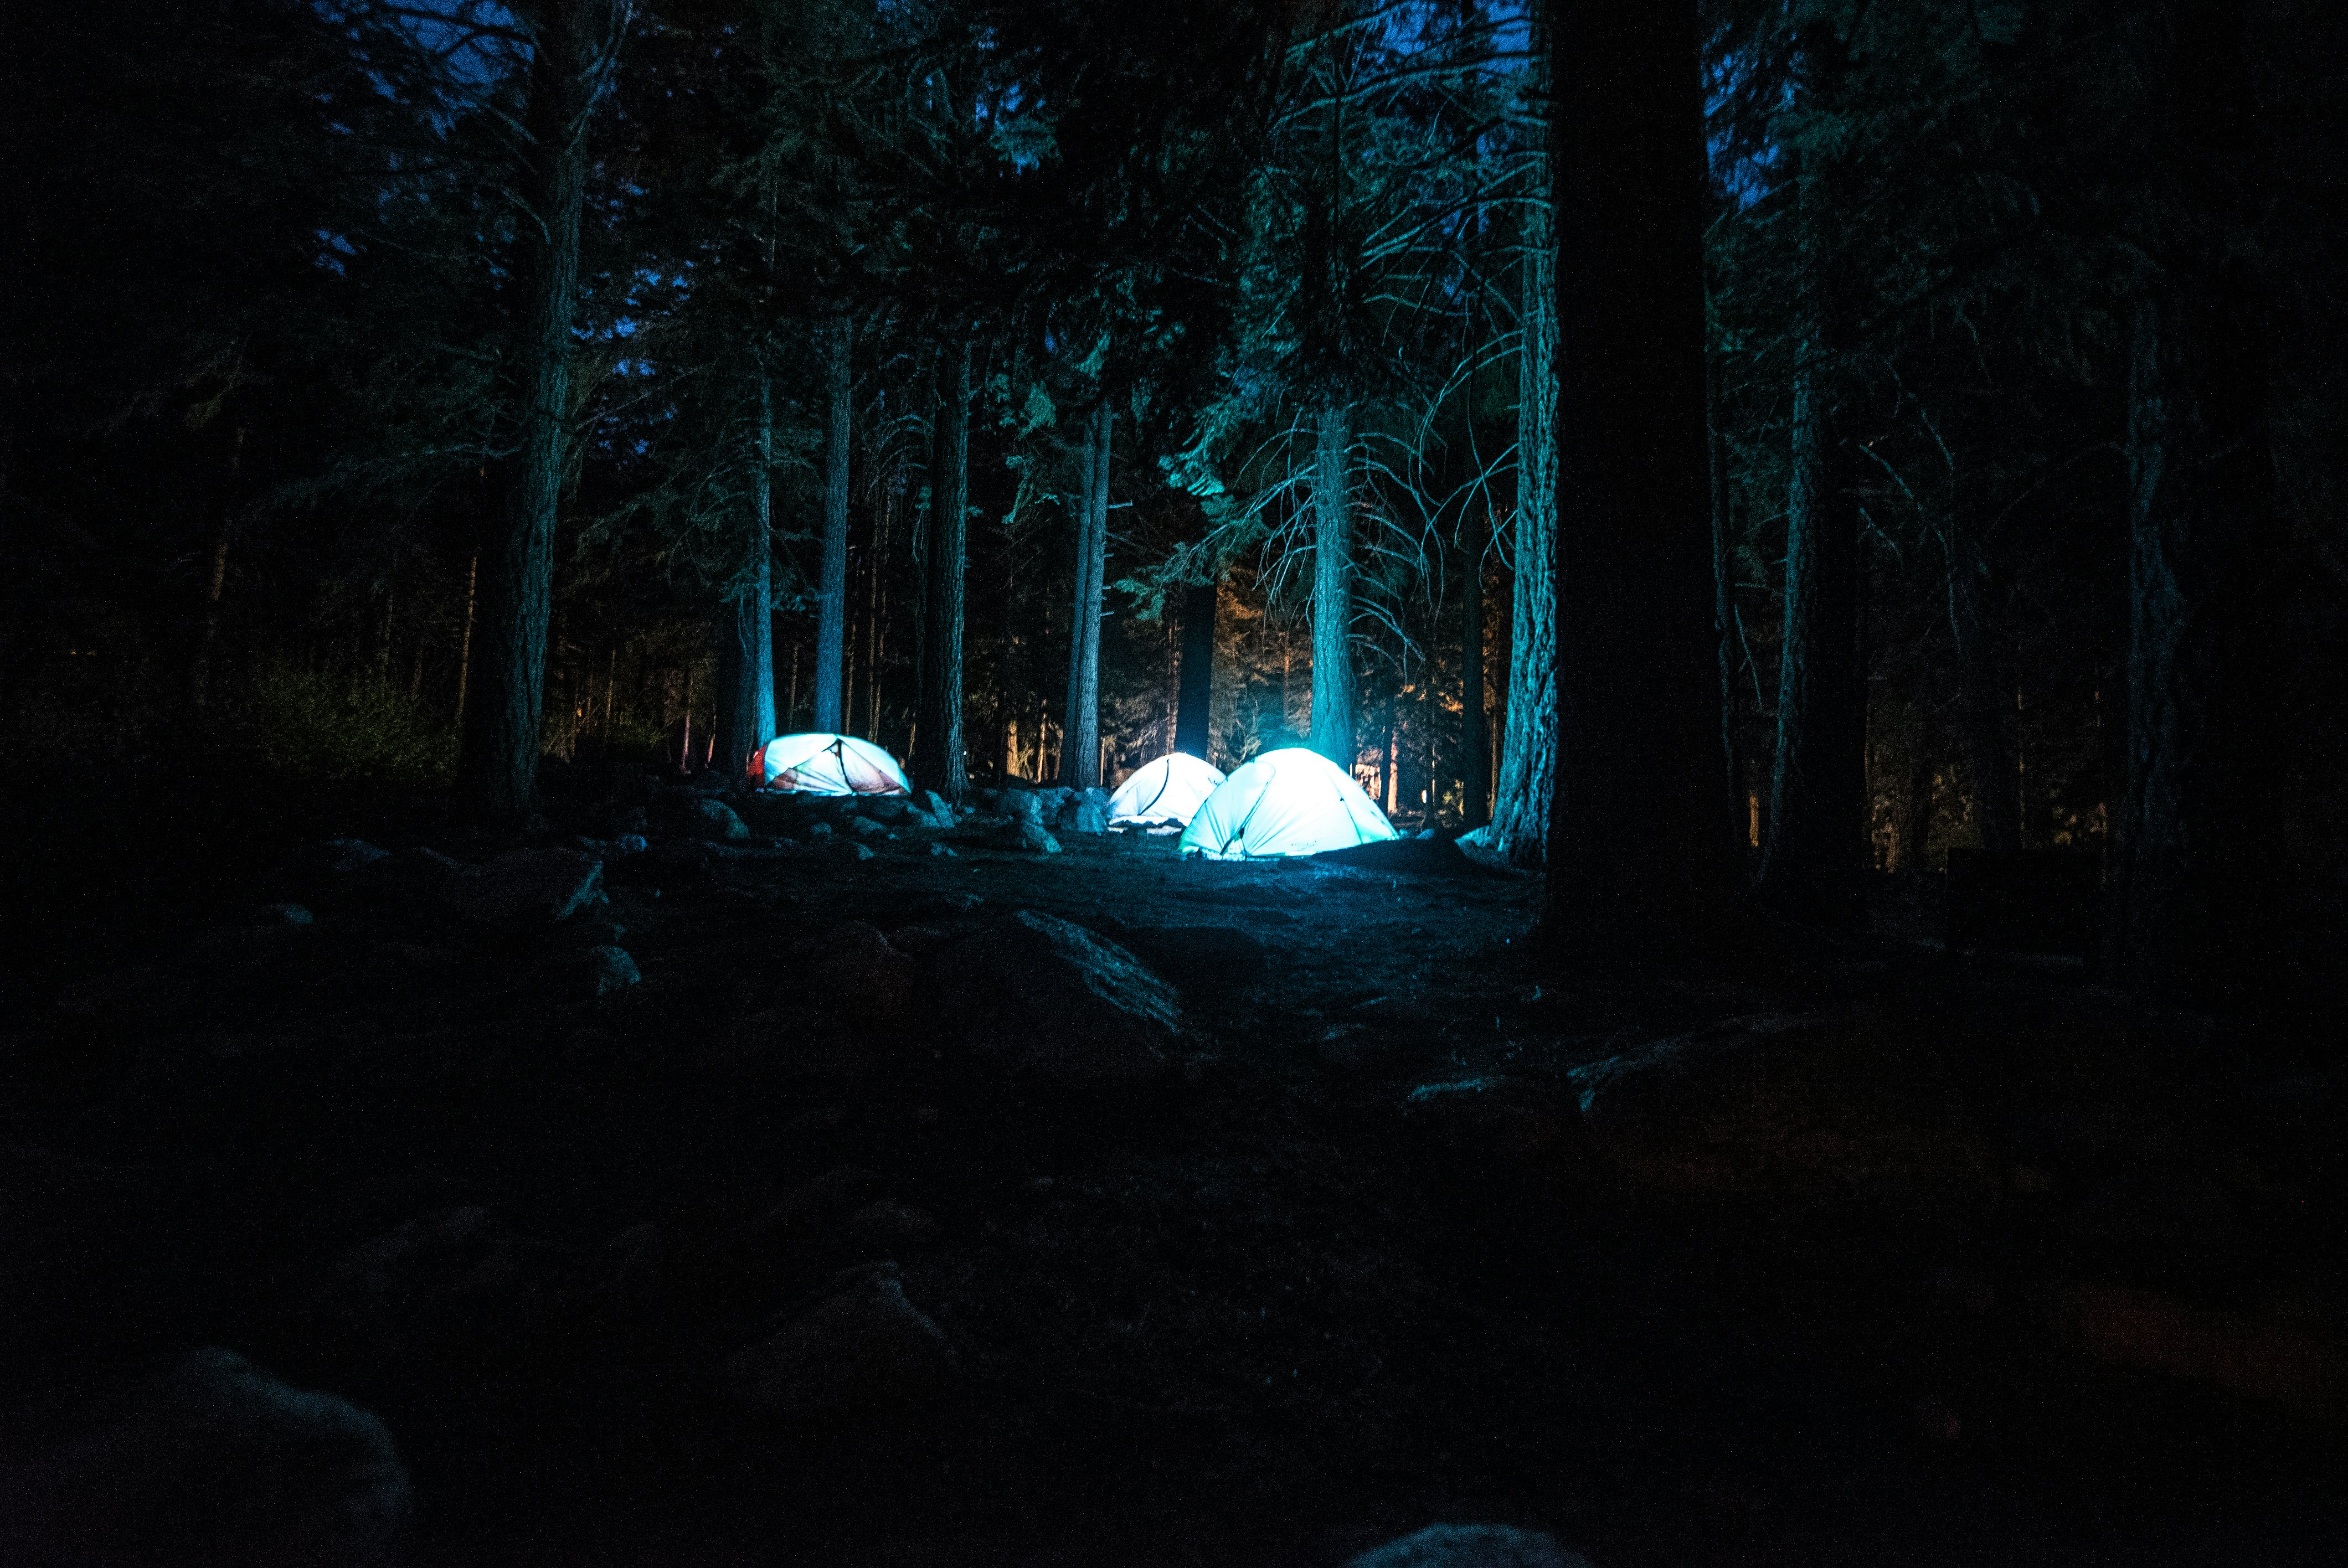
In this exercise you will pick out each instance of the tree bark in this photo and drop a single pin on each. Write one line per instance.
(1474, 744)
(1194, 717)
(938, 731)
(1984, 700)
(1520, 807)
(1332, 590)
(2192, 884)
(497, 769)
(1639, 854)
(1813, 859)
(831, 591)
(745, 661)
(1081, 753)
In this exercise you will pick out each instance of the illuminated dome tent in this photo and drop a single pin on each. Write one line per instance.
(1287, 801)
(1170, 789)
(828, 765)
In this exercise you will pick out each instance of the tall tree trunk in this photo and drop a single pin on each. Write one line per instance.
(1475, 746)
(831, 591)
(938, 733)
(1520, 807)
(200, 667)
(1984, 700)
(465, 643)
(1194, 718)
(1332, 590)
(1814, 857)
(1723, 604)
(746, 656)
(2192, 894)
(1639, 853)
(1081, 751)
(497, 768)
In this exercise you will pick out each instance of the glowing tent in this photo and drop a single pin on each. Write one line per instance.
(1287, 801)
(1170, 789)
(828, 765)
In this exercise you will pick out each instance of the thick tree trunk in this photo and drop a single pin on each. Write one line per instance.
(1081, 753)
(831, 589)
(497, 768)
(745, 663)
(1639, 855)
(1332, 590)
(1194, 720)
(2192, 883)
(1984, 699)
(1814, 857)
(1520, 807)
(1475, 743)
(938, 731)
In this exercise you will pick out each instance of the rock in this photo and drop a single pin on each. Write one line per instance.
(2164, 1207)
(810, 1207)
(315, 872)
(219, 1463)
(861, 851)
(1029, 834)
(1507, 1150)
(818, 830)
(864, 1350)
(443, 1285)
(1041, 997)
(868, 827)
(526, 889)
(1223, 954)
(884, 808)
(943, 851)
(934, 806)
(853, 971)
(1779, 1111)
(713, 818)
(281, 915)
(1082, 815)
(1470, 1546)
(2267, 1358)
(886, 1227)
(1023, 806)
(602, 970)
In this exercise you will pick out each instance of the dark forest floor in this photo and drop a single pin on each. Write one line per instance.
(2068, 1287)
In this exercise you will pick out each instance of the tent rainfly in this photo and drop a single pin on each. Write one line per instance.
(1287, 801)
(1169, 790)
(827, 764)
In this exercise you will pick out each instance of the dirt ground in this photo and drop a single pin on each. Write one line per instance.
(1280, 1308)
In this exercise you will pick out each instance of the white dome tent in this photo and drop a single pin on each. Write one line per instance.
(827, 764)
(1168, 791)
(1284, 803)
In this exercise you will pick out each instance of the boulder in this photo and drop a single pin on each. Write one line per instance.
(863, 1350)
(1027, 833)
(1082, 815)
(216, 1463)
(281, 915)
(934, 806)
(600, 969)
(861, 851)
(1023, 806)
(1789, 1111)
(1039, 996)
(869, 827)
(853, 971)
(525, 889)
(443, 1286)
(1470, 1546)
(322, 875)
(713, 818)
